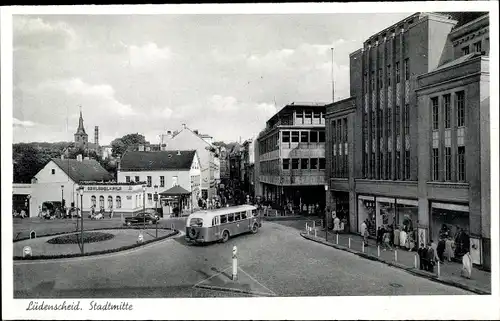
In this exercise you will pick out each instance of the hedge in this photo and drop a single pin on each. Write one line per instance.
(88, 237)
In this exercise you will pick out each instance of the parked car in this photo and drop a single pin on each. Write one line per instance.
(141, 218)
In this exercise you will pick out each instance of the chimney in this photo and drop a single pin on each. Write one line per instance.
(184, 126)
(195, 131)
(96, 135)
(79, 157)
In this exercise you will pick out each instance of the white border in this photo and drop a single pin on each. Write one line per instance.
(403, 307)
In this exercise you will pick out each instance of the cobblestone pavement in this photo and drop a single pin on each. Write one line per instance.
(277, 257)
(480, 280)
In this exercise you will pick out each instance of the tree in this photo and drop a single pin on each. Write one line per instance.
(120, 145)
(27, 161)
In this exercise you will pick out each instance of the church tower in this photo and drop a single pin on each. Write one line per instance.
(81, 137)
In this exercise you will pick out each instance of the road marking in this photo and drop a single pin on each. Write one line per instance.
(93, 257)
(262, 285)
(194, 286)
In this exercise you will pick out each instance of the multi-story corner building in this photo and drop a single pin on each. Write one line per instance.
(224, 163)
(247, 165)
(410, 147)
(290, 156)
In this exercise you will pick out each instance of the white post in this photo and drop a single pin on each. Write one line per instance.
(396, 255)
(337, 238)
(378, 251)
(439, 269)
(235, 264)
(415, 261)
(349, 242)
(315, 233)
(307, 227)
(314, 224)
(363, 247)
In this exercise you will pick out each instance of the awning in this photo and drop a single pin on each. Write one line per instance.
(175, 191)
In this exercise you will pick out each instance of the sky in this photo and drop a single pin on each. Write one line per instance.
(223, 75)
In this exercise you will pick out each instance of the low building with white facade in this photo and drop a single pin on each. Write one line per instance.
(123, 198)
(164, 169)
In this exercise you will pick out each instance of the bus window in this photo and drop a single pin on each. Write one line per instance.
(254, 213)
(230, 217)
(214, 221)
(237, 216)
(196, 222)
(223, 219)
(243, 215)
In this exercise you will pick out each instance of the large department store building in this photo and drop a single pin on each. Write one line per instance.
(411, 144)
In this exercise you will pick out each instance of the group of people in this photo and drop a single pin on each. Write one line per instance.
(339, 224)
(94, 215)
(402, 237)
(209, 204)
(19, 213)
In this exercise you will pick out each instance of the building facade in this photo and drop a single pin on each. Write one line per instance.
(420, 159)
(290, 157)
(164, 169)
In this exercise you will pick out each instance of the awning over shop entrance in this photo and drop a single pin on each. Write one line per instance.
(175, 191)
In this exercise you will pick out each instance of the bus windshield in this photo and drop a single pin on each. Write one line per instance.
(196, 222)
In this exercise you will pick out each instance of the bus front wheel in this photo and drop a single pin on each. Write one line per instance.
(225, 236)
(255, 228)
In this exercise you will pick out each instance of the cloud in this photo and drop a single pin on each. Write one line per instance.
(147, 55)
(22, 123)
(35, 33)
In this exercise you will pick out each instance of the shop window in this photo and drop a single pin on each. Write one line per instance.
(314, 163)
(461, 163)
(435, 164)
(465, 50)
(460, 99)
(286, 136)
(322, 163)
(451, 221)
(127, 179)
(321, 136)
(162, 181)
(118, 202)
(286, 163)
(295, 136)
(304, 137)
(101, 201)
(447, 110)
(110, 201)
(93, 200)
(304, 163)
(295, 163)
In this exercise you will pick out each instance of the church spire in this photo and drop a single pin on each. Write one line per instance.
(81, 129)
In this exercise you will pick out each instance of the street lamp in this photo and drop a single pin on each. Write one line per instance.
(144, 206)
(81, 217)
(156, 208)
(28, 204)
(62, 199)
(326, 215)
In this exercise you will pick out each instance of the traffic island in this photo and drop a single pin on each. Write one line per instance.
(244, 283)
(97, 242)
(443, 279)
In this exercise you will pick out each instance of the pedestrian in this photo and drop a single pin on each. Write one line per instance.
(430, 255)
(440, 249)
(386, 238)
(336, 224)
(397, 234)
(421, 257)
(364, 230)
(449, 252)
(466, 266)
(434, 248)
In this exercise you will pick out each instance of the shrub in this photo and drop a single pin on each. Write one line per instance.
(88, 237)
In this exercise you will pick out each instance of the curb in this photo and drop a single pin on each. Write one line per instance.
(410, 270)
(285, 218)
(218, 288)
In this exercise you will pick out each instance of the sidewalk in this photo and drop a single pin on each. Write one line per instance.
(480, 281)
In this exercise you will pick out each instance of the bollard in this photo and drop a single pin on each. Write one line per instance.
(349, 242)
(140, 238)
(378, 250)
(172, 227)
(439, 269)
(315, 233)
(26, 251)
(337, 239)
(314, 224)
(415, 261)
(363, 247)
(396, 255)
(307, 226)
(235, 264)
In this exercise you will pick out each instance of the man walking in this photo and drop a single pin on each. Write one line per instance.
(364, 232)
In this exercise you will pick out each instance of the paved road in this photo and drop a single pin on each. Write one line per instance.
(277, 257)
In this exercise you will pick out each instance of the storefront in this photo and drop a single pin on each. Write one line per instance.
(366, 213)
(122, 197)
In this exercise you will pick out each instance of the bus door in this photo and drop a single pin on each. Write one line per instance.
(216, 227)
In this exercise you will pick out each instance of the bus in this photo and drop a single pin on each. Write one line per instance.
(222, 223)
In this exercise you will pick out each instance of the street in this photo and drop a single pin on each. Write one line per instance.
(276, 259)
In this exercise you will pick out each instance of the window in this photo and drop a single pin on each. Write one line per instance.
(53, 171)
(137, 179)
(174, 181)
(435, 164)
(101, 201)
(389, 75)
(150, 197)
(149, 181)
(237, 216)
(407, 69)
(230, 217)
(389, 164)
(465, 50)
(321, 136)
(314, 163)
(322, 163)
(127, 179)
(162, 181)
(243, 215)
(286, 136)
(435, 113)
(447, 164)
(304, 163)
(447, 111)
(477, 46)
(407, 164)
(304, 137)
(407, 119)
(286, 163)
(110, 201)
(295, 163)
(372, 80)
(398, 73)
(460, 99)
(223, 219)
(380, 79)
(461, 163)
(314, 136)
(118, 202)
(295, 136)
(398, 121)
(93, 200)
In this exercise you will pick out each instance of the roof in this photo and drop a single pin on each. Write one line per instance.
(153, 161)
(458, 61)
(175, 190)
(221, 211)
(85, 170)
